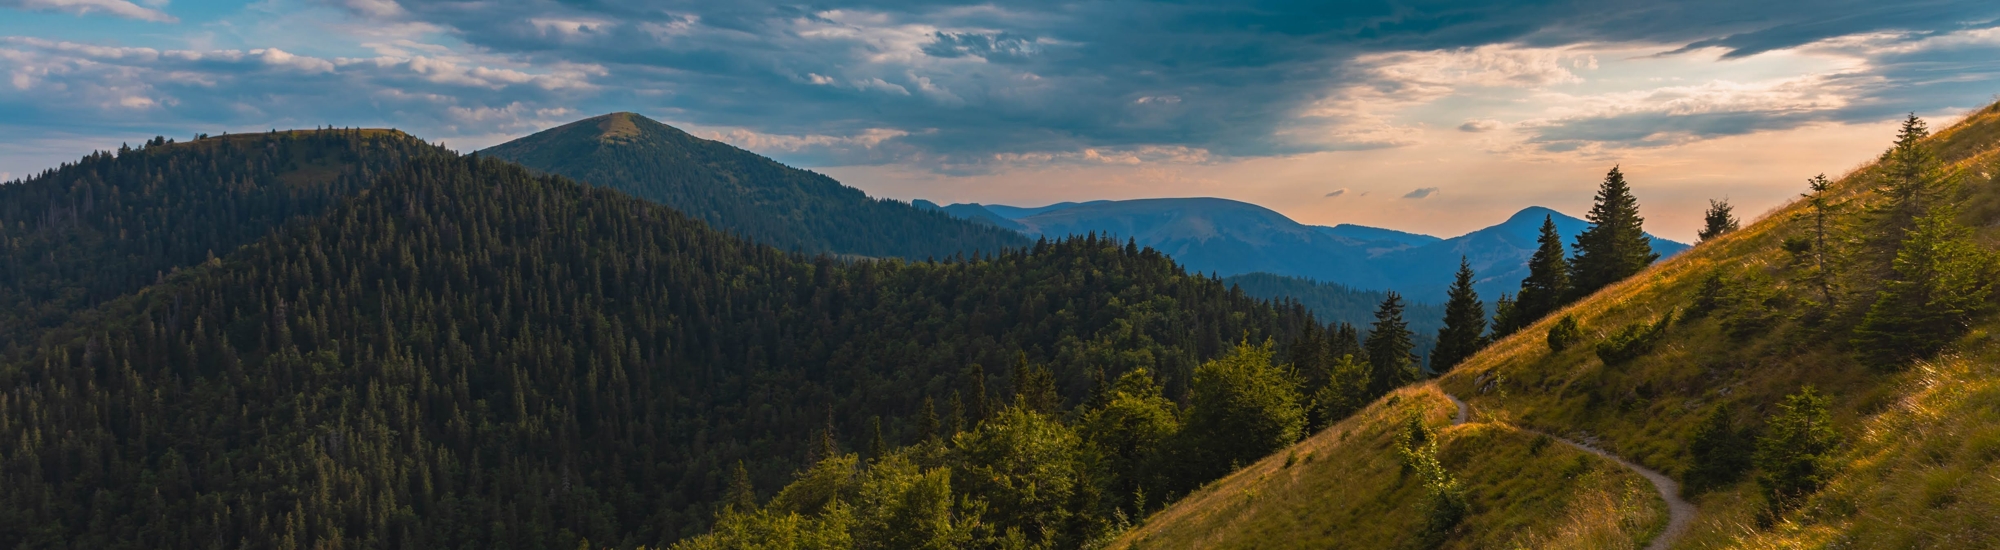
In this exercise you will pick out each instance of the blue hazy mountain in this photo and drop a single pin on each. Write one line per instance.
(1017, 212)
(1365, 233)
(973, 212)
(1226, 237)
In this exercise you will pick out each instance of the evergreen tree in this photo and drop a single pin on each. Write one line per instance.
(1506, 317)
(1720, 219)
(1941, 281)
(1912, 175)
(1822, 275)
(1464, 323)
(741, 496)
(1035, 387)
(1718, 454)
(928, 423)
(1615, 246)
(1547, 286)
(1391, 363)
(1346, 341)
(1796, 454)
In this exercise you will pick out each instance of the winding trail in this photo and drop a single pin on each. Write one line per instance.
(1680, 513)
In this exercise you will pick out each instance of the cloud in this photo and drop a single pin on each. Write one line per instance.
(119, 8)
(1421, 193)
(974, 86)
(1337, 192)
(1477, 126)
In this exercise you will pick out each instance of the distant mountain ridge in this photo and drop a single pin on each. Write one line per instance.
(743, 193)
(1227, 237)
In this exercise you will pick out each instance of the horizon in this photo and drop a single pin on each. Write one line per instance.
(1420, 120)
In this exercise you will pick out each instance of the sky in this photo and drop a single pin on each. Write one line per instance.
(1434, 116)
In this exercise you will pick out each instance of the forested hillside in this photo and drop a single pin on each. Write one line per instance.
(740, 192)
(93, 230)
(465, 355)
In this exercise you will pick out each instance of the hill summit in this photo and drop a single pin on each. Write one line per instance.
(744, 193)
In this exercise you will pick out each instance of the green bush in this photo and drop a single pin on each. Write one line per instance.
(1633, 341)
(1566, 332)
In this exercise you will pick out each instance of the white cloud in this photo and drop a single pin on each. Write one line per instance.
(120, 8)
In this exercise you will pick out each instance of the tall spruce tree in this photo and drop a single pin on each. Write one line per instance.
(1464, 329)
(1615, 246)
(1911, 175)
(1547, 287)
(1719, 220)
(1941, 281)
(1391, 363)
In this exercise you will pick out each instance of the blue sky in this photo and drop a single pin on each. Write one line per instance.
(1433, 115)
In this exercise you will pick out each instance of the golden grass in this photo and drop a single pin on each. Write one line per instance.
(1344, 488)
(616, 127)
(1907, 457)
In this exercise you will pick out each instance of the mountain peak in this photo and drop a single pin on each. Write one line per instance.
(619, 126)
(1535, 214)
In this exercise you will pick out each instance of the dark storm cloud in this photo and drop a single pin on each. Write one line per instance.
(971, 80)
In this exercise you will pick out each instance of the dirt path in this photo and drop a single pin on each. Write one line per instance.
(1680, 513)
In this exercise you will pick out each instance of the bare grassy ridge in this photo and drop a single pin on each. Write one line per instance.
(1345, 488)
(1921, 444)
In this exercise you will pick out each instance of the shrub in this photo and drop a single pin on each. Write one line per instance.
(1633, 341)
(1566, 332)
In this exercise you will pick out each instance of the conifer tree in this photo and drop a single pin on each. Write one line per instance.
(1796, 453)
(1547, 286)
(1391, 363)
(1345, 341)
(1464, 323)
(1615, 246)
(1718, 454)
(741, 496)
(1941, 281)
(1822, 209)
(1035, 387)
(1911, 175)
(1240, 408)
(1506, 317)
(1345, 392)
(927, 421)
(976, 409)
(1720, 219)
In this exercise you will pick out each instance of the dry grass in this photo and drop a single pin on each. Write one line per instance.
(1344, 488)
(1920, 474)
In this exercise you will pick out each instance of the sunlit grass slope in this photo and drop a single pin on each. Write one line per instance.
(1918, 469)
(1345, 488)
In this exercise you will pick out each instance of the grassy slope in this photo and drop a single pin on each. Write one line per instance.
(1922, 443)
(1344, 488)
(1919, 465)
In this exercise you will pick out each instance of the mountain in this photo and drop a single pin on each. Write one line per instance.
(1217, 236)
(972, 213)
(1366, 234)
(1772, 416)
(1017, 212)
(460, 353)
(743, 193)
(112, 223)
(1227, 237)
